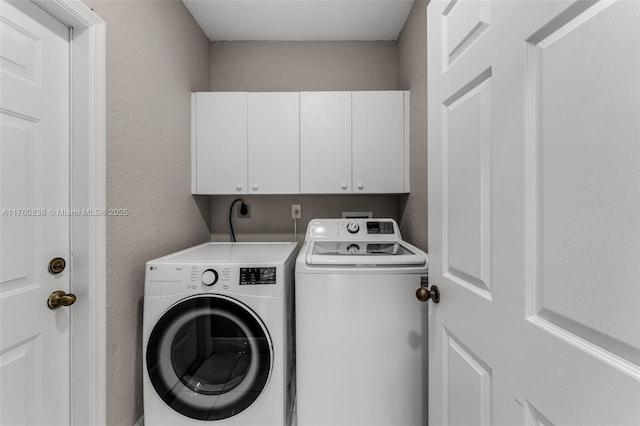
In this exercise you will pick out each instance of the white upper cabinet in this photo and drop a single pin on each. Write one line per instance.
(307, 142)
(325, 142)
(274, 143)
(219, 145)
(380, 147)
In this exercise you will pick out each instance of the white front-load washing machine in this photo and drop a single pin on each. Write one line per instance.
(361, 337)
(217, 336)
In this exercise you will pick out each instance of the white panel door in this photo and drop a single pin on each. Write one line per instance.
(534, 212)
(274, 143)
(34, 173)
(220, 142)
(378, 142)
(325, 142)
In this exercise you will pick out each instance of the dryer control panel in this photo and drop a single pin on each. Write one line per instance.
(258, 276)
(209, 276)
(236, 269)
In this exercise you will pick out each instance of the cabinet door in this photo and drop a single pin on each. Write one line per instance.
(379, 142)
(274, 135)
(325, 142)
(219, 143)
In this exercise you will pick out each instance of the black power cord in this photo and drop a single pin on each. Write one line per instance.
(243, 210)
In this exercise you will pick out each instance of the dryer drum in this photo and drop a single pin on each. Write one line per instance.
(209, 357)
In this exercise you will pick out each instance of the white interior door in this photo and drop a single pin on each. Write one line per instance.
(534, 212)
(34, 155)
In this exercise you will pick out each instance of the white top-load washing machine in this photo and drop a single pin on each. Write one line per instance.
(217, 342)
(360, 331)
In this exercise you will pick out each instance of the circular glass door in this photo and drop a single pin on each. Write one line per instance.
(209, 357)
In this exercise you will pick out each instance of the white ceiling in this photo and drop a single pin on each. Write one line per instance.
(300, 20)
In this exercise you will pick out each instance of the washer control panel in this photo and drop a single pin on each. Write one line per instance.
(353, 229)
(379, 227)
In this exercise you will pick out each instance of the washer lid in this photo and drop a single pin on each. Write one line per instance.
(363, 253)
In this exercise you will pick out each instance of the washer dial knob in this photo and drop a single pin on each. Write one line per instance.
(209, 277)
(353, 249)
(353, 227)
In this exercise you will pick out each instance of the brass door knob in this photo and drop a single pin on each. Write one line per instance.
(60, 298)
(423, 294)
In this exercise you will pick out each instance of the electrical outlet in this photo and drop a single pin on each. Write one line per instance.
(296, 211)
(243, 213)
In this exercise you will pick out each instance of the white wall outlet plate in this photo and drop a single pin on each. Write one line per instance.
(296, 211)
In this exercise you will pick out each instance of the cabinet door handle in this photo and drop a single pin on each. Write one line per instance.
(343, 186)
(360, 185)
(239, 187)
(255, 187)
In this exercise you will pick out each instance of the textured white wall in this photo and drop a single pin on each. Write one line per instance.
(156, 56)
(262, 66)
(295, 66)
(412, 76)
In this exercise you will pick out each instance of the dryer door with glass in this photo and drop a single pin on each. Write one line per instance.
(209, 357)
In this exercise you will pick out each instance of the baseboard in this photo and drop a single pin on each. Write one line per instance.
(140, 421)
